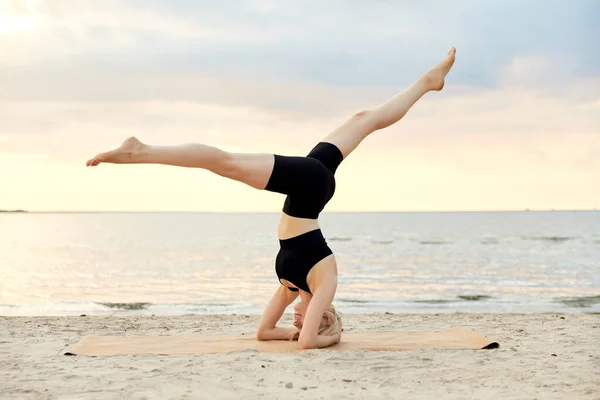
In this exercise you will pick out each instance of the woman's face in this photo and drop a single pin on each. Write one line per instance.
(299, 313)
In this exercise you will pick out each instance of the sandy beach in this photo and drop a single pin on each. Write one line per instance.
(543, 356)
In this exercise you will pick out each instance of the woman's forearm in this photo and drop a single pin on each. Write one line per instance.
(319, 341)
(277, 333)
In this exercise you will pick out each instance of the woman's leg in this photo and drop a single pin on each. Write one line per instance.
(348, 136)
(253, 169)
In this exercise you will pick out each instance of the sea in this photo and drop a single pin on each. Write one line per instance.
(56, 264)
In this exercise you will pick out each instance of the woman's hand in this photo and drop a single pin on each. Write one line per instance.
(336, 338)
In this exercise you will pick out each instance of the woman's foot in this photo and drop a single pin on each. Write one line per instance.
(434, 78)
(125, 154)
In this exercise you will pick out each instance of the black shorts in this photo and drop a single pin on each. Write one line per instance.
(308, 182)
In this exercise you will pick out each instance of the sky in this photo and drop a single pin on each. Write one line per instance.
(516, 127)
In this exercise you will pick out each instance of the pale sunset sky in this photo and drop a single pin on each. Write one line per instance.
(517, 125)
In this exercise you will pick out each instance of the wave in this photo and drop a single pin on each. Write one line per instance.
(474, 297)
(355, 301)
(465, 297)
(349, 305)
(555, 239)
(382, 241)
(126, 306)
(434, 242)
(489, 241)
(109, 308)
(433, 301)
(339, 239)
(579, 301)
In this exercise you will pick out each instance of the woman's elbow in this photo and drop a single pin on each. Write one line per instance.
(261, 335)
(306, 343)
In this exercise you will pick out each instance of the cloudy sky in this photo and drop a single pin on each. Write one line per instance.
(517, 126)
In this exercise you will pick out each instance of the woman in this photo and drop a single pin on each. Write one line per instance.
(305, 265)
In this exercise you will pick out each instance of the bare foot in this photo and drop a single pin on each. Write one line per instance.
(434, 78)
(123, 155)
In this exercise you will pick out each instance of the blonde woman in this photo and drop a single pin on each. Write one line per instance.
(305, 265)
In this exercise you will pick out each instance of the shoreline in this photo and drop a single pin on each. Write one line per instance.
(551, 355)
(444, 314)
(574, 305)
(541, 210)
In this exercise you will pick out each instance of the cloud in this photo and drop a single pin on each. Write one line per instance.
(461, 118)
(370, 44)
(521, 106)
(535, 69)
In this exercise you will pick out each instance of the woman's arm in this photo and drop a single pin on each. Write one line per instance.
(320, 342)
(322, 298)
(267, 329)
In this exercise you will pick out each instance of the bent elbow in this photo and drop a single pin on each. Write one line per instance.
(261, 335)
(307, 344)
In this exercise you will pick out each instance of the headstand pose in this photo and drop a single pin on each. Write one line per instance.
(305, 265)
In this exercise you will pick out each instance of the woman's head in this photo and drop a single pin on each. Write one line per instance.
(331, 321)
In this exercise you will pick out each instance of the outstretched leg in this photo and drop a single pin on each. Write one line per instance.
(348, 136)
(253, 169)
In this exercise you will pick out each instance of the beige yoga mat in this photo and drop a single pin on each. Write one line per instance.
(454, 338)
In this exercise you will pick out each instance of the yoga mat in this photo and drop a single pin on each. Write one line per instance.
(454, 338)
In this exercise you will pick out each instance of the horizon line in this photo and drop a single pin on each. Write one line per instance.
(22, 211)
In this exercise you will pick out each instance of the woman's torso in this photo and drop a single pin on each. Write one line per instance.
(290, 227)
(320, 269)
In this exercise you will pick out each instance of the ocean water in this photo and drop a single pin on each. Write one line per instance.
(205, 263)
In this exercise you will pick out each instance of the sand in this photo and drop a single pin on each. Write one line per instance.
(548, 356)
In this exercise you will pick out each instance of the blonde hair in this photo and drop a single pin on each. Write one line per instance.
(336, 321)
(328, 330)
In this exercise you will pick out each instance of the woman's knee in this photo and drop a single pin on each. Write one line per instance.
(362, 114)
(227, 165)
(367, 118)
